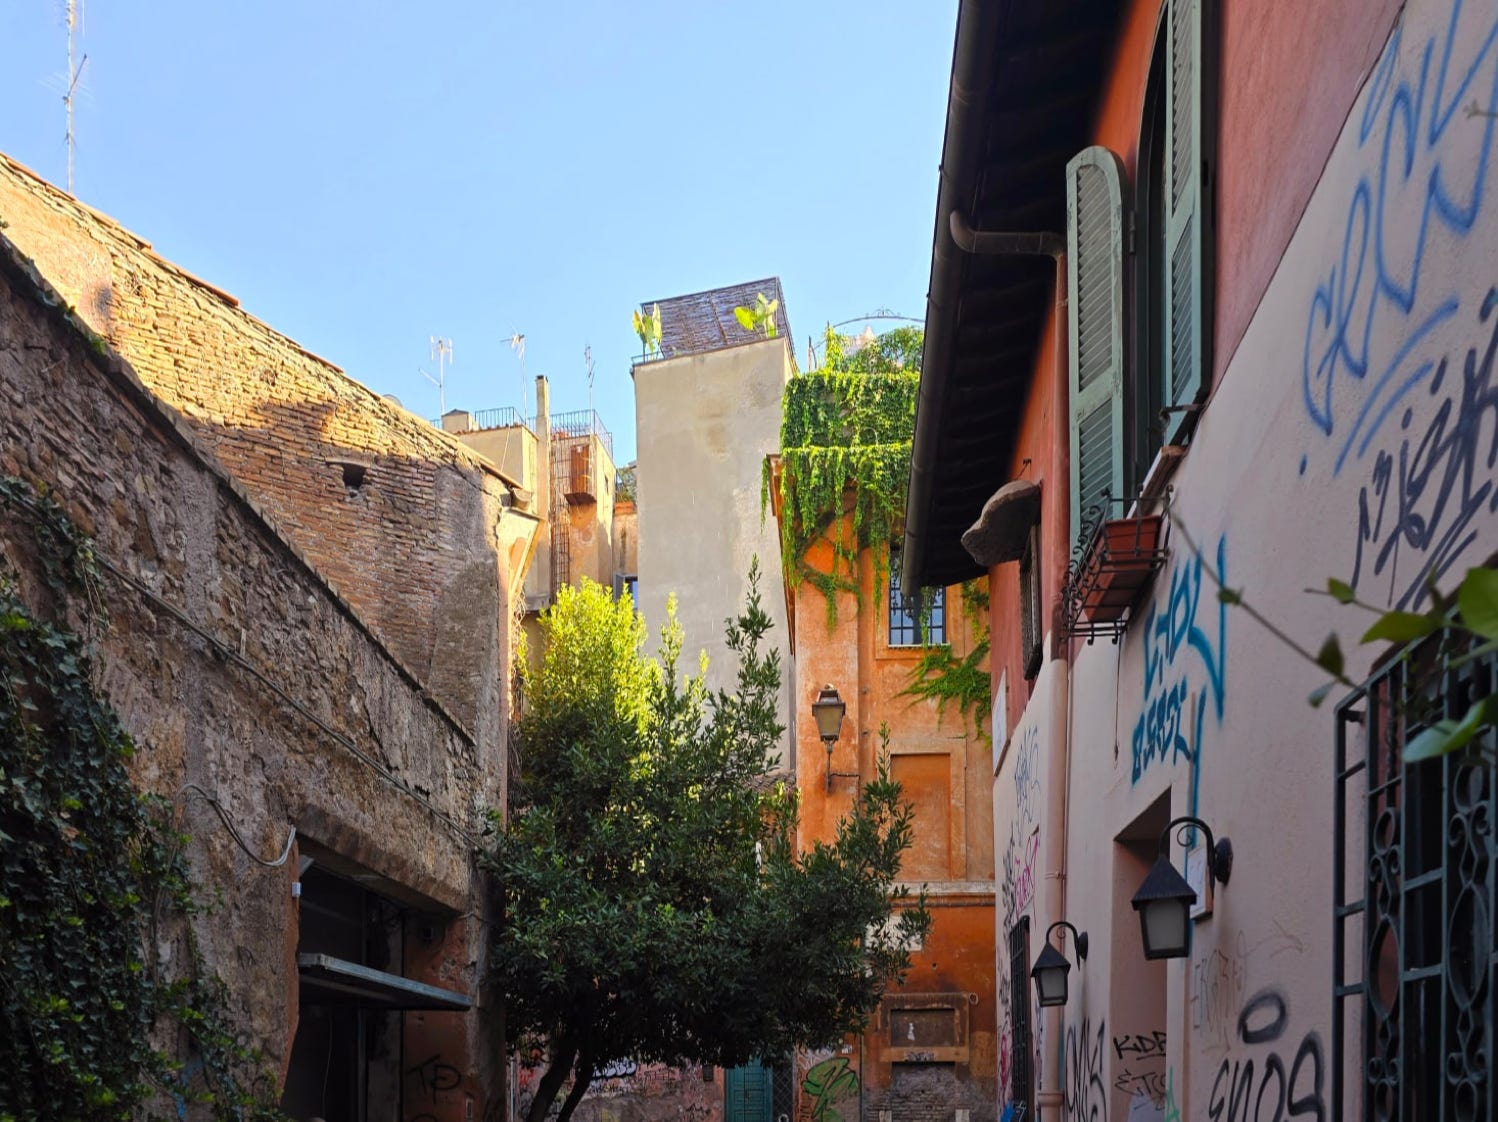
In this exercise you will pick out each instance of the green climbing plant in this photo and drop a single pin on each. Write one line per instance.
(961, 680)
(93, 1025)
(845, 457)
(1455, 628)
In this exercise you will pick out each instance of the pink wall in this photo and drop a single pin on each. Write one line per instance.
(1290, 74)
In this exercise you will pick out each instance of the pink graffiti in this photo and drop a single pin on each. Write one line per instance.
(1024, 883)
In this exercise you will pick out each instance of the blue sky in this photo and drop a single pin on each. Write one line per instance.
(365, 175)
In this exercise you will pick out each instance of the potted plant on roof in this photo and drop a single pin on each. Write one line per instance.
(759, 318)
(648, 328)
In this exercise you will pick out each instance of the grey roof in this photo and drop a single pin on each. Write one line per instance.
(704, 321)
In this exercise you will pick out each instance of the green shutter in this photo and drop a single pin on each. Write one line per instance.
(1186, 218)
(1094, 276)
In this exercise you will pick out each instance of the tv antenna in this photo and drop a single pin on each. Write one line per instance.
(588, 360)
(75, 74)
(442, 355)
(517, 344)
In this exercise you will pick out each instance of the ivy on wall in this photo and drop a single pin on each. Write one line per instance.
(92, 1023)
(946, 678)
(845, 440)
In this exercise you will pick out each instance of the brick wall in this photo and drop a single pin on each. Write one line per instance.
(410, 548)
(235, 665)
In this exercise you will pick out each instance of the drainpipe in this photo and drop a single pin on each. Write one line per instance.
(989, 243)
(1049, 1100)
(1059, 766)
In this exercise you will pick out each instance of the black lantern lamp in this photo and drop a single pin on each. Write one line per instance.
(1051, 967)
(827, 710)
(1164, 899)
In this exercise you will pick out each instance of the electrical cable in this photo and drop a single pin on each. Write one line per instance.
(230, 655)
(218, 808)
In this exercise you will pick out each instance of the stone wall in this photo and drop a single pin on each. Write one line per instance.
(396, 515)
(236, 667)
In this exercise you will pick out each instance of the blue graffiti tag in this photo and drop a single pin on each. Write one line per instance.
(1403, 126)
(1426, 131)
(1172, 631)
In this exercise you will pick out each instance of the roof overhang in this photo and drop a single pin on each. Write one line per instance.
(1026, 75)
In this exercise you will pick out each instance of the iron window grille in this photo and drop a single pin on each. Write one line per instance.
(1019, 1013)
(1415, 958)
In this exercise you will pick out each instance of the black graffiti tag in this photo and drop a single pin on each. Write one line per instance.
(1266, 1091)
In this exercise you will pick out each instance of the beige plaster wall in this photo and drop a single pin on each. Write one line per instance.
(704, 425)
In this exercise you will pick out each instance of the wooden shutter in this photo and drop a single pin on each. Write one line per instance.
(1094, 274)
(1187, 218)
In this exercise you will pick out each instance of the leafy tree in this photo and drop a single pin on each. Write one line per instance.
(655, 905)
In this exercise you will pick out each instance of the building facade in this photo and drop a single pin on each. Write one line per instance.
(1219, 274)
(707, 413)
(931, 1045)
(309, 634)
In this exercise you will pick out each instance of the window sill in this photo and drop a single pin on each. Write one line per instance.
(1158, 478)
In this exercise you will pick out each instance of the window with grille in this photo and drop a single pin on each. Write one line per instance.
(916, 620)
(1019, 1014)
(1415, 954)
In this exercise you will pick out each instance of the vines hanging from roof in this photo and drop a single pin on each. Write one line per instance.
(94, 880)
(946, 678)
(845, 451)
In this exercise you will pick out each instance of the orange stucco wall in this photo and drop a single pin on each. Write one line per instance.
(943, 764)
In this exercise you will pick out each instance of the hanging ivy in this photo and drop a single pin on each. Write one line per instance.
(93, 874)
(845, 457)
(944, 678)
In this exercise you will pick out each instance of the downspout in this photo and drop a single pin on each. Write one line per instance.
(1058, 764)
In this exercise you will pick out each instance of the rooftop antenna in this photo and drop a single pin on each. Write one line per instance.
(442, 355)
(588, 359)
(517, 344)
(75, 73)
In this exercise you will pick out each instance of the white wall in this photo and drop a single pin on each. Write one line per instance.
(704, 425)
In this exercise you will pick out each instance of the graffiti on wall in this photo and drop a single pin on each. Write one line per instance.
(1218, 979)
(826, 1084)
(1139, 1071)
(1398, 351)
(1019, 872)
(1027, 777)
(1184, 657)
(1269, 1075)
(1084, 1082)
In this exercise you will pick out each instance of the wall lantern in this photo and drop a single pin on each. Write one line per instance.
(1164, 899)
(1051, 967)
(827, 710)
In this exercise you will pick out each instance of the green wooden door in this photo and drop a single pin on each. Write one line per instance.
(748, 1094)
